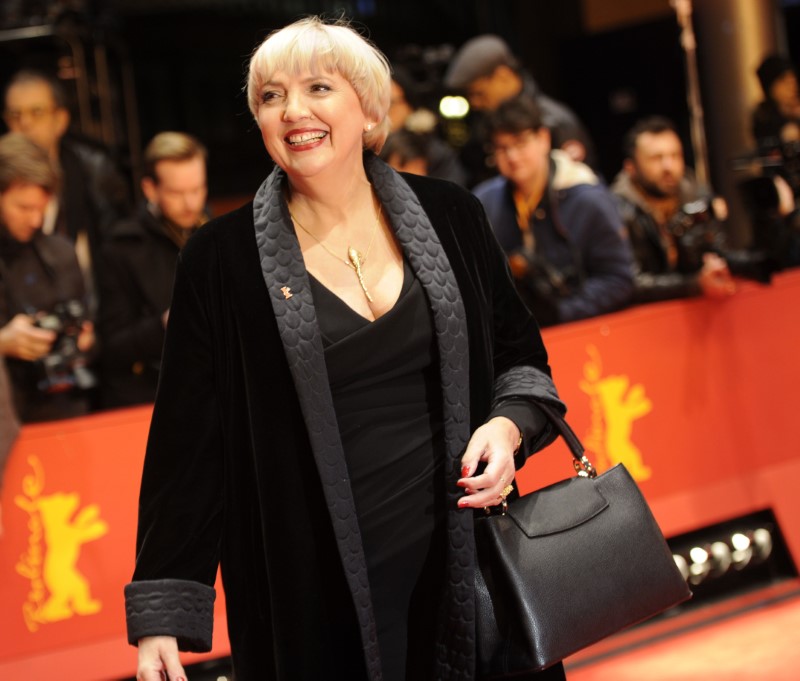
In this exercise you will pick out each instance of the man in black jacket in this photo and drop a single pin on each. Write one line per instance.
(139, 266)
(43, 331)
(672, 221)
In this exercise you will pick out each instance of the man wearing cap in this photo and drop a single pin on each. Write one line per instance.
(485, 68)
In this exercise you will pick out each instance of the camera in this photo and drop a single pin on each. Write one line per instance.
(696, 231)
(695, 228)
(65, 367)
(780, 157)
(541, 284)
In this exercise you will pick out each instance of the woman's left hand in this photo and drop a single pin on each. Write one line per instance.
(495, 442)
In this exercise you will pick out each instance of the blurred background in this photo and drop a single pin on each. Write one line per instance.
(142, 66)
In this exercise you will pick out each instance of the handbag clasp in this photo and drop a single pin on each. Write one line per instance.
(584, 467)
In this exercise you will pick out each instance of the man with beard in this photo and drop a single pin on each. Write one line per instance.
(671, 219)
(139, 266)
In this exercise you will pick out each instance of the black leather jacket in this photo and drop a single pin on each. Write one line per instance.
(656, 279)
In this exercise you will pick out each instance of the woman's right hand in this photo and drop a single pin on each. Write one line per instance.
(159, 660)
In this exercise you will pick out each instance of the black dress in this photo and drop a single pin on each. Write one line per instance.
(385, 382)
(384, 378)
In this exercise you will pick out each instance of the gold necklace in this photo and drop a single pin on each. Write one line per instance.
(355, 259)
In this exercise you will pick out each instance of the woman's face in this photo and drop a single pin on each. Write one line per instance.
(311, 122)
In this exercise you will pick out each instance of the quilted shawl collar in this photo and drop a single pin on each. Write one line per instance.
(282, 266)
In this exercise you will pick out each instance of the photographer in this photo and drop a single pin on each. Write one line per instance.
(43, 334)
(557, 223)
(776, 119)
(671, 220)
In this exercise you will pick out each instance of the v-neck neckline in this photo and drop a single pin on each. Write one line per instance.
(341, 303)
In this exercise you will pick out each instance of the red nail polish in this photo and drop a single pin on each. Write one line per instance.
(464, 471)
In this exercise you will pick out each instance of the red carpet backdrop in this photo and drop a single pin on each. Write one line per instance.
(697, 398)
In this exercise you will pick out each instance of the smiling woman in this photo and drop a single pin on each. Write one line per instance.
(347, 373)
(337, 49)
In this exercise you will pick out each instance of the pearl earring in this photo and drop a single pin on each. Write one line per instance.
(368, 127)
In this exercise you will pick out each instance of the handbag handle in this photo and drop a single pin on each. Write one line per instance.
(583, 466)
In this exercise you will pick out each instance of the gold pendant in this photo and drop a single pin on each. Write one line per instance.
(355, 261)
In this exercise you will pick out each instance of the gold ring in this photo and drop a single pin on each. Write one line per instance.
(506, 491)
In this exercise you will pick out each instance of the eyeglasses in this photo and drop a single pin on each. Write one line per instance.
(513, 143)
(35, 113)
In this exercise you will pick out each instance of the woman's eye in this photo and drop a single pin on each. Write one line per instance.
(320, 87)
(269, 96)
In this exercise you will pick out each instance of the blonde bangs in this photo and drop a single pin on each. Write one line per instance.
(309, 45)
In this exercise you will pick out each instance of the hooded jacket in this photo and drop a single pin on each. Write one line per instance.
(577, 230)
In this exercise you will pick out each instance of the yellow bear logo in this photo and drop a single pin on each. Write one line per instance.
(615, 405)
(58, 589)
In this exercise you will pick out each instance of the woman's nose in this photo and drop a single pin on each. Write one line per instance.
(295, 108)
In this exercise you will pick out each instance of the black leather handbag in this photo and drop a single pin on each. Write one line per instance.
(565, 566)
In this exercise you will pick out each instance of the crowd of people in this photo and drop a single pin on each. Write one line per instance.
(86, 274)
(348, 310)
(579, 246)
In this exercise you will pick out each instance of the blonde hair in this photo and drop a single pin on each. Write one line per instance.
(171, 146)
(311, 43)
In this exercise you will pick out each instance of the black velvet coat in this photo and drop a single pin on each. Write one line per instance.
(244, 463)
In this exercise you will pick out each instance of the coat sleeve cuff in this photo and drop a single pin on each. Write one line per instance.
(512, 390)
(171, 607)
(527, 382)
(534, 426)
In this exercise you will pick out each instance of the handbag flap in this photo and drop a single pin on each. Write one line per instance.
(558, 507)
